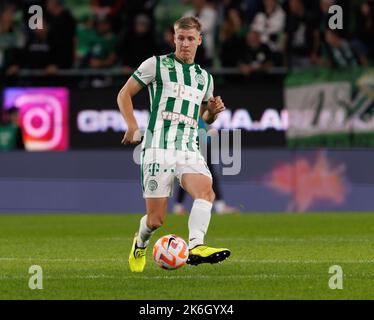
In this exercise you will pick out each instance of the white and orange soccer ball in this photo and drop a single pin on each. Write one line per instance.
(170, 252)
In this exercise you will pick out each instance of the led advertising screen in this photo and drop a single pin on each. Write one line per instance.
(257, 110)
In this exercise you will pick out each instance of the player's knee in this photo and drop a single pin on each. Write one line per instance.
(155, 222)
(208, 195)
(212, 196)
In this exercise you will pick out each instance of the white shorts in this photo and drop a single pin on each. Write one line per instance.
(159, 167)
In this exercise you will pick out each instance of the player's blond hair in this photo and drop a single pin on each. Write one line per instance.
(187, 23)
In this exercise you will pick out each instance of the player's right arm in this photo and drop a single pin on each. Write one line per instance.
(124, 101)
(143, 76)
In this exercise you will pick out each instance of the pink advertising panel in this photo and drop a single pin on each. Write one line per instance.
(43, 116)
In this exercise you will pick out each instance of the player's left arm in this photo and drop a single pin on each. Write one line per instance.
(209, 111)
(211, 106)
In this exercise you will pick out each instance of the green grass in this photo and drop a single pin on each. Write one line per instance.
(274, 256)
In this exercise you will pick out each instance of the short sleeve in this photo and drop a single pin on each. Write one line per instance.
(209, 90)
(146, 72)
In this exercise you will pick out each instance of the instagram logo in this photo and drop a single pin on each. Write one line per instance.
(43, 116)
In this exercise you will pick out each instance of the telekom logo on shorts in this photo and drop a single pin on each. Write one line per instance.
(43, 116)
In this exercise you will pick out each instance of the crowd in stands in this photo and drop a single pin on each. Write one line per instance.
(251, 35)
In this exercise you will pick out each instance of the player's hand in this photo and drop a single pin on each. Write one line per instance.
(132, 136)
(215, 105)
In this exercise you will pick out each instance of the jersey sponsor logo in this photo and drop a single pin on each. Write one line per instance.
(152, 185)
(200, 79)
(154, 168)
(181, 91)
(178, 117)
(168, 62)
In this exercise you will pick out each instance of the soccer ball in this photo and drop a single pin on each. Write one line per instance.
(170, 252)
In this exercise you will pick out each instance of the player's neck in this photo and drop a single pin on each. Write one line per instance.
(184, 60)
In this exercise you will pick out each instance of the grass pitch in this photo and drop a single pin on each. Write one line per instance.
(274, 256)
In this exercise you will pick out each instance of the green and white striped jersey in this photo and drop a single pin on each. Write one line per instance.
(176, 92)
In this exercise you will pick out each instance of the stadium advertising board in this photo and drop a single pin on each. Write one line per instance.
(43, 116)
(257, 109)
(280, 180)
(331, 108)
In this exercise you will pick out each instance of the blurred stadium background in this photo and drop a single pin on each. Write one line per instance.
(301, 93)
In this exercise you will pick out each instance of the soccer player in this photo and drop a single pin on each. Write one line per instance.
(180, 91)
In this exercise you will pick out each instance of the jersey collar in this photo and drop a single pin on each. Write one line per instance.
(180, 61)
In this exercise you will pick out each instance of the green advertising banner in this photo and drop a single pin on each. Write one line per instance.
(330, 108)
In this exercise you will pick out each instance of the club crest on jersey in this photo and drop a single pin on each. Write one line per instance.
(168, 62)
(152, 185)
(200, 79)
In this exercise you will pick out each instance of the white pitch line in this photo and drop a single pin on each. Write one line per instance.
(238, 239)
(360, 261)
(67, 239)
(250, 261)
(103, 276)
(62, 259)
(180, 277)
(303, 240)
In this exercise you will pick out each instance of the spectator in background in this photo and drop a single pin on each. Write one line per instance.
(347, 8)
(235, 16)
(270, 25)
(207, 15)
(231, 37)
(252, 7)
(103, 50)
(24, 6)
(167, 45)
(86, 37)
(320, 25)
(298, 35)
(11, 133)
(231, 4)
(134, 8)
(11, 40)
(111, 9)
(338, 53)
(223, 7)
(364, 30)
(38, 52)
(256, 56)
(62, 33)
(137, 46)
